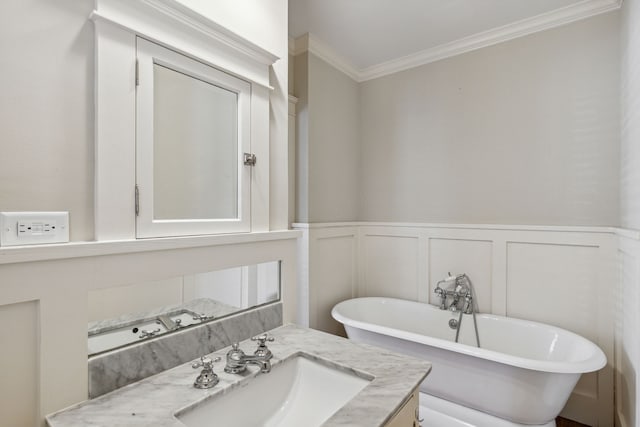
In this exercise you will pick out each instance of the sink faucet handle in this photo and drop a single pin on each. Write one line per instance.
(262, 339)
(144, 333)
(202, 317)
(207, 377)
(262, 350)
(205, 362)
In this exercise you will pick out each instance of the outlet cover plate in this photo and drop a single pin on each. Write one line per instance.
(33, 228)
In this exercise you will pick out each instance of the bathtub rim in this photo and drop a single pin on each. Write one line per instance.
(595, 362)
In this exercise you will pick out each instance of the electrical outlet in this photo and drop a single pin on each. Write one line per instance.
(33, 228)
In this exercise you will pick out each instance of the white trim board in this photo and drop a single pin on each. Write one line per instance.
(517, 227)
(544, 21)
(20, 254)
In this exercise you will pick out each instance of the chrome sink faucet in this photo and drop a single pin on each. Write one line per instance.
(237, 360)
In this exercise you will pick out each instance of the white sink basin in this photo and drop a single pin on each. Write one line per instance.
(298, 392)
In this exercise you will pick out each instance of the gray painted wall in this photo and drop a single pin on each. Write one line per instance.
(328, 132)
(46, 110)
(46, 107)
(523, 132)
(628, 256)
(630, 143)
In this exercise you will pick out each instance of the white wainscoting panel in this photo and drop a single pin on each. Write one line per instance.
(563, 280)
(389, 265)
(328, 259)
(44, 305)
(627, 321)
(559, 278)
(563, 276)
(336, 271)
(19, 364)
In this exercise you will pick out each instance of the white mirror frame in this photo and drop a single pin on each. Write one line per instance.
(117, 25)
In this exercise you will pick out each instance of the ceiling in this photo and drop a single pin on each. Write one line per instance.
(363, 35)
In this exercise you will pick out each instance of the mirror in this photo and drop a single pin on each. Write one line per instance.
(130, 314)
(193, 126)
(195, 148)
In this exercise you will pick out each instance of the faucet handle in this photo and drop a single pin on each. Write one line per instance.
(262, 339)
(263, 350)
(201, 317)
(144, 333)
(205, 363)
(207, 377)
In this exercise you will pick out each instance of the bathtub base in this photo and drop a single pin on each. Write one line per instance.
(438, 412)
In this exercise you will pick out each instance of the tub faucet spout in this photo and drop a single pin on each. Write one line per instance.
(453, 307)
(442, 295)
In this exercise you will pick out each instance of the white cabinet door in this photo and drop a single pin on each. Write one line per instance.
(193, 126)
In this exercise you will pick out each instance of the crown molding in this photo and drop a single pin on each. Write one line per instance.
(180, 13)
(309, 43)
(545, 21)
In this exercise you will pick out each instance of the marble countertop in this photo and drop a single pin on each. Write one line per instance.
(155, 400)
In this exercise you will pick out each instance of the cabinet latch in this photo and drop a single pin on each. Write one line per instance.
(250, 159)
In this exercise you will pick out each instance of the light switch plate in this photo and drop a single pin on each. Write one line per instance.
(33, 228)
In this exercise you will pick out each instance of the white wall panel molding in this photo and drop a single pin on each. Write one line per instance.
(565, 276)
(19, 390)
(627, 325)
(57, 280)
(328, 259)
(542, 22)
(18, 254)
(390, 264)
(439, 225)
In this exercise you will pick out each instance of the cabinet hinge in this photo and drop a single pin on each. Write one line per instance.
(137, 202)
(137, 73)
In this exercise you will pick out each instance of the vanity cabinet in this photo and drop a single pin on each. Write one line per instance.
(407, 415)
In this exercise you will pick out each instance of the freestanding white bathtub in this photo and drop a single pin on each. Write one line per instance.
(524, 371)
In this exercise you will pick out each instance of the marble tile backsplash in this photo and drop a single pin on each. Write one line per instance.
(118, 368)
